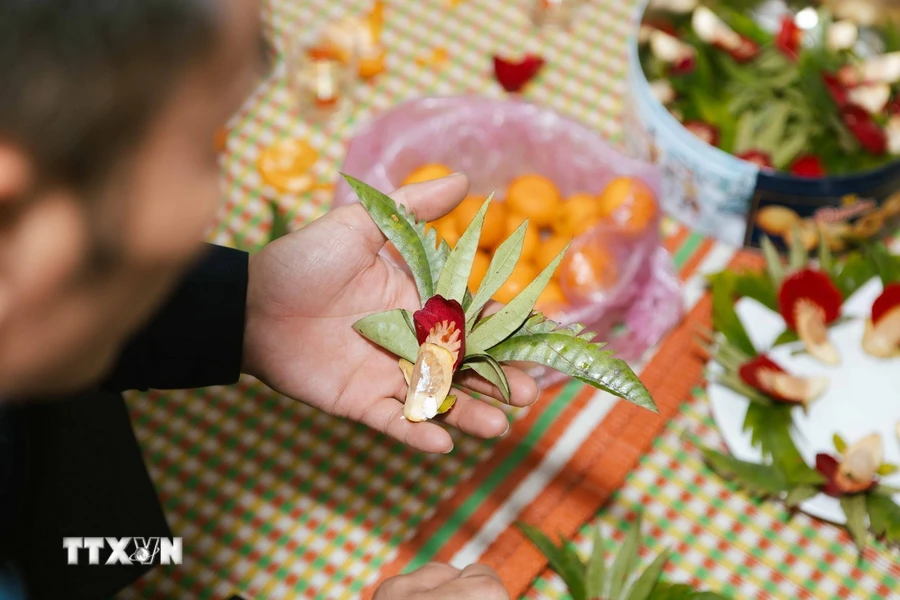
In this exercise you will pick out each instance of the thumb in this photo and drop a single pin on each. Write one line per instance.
(428, 201)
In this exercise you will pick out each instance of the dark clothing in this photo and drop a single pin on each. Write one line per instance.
(77, 469)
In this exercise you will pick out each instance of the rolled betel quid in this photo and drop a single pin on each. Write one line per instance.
(809, 302)
(450, 333)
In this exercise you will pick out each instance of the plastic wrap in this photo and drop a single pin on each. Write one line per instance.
(493, 141)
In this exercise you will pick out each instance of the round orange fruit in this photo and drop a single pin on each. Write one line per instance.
(285, 165)
(479, 270)
(629, 203)
(445, 228)
(534, 196)
(532, 243)
(587, 272)
(427, 173)
(493, 231)
(522, 275)
(550, 249)
(576, 215)
(466, 211)
(552, 298)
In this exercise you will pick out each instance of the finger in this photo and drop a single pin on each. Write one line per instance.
(428, 200)
(476, 417)
(479, 570)
(386, 416)
(426, 578)
(523, 390)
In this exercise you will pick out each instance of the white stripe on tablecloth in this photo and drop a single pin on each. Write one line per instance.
(574, 436)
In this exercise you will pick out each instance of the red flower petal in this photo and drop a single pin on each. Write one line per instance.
(808, 166)
(750, 370)
(758, 158)
(813, 285)
(684, 66)
(437, 310)
(865, 129)
(789, 38)
(888, 299)
(837, 91)
(893, 107)
(514, 75)
(827, 465)
(703, 130)
(663, 25)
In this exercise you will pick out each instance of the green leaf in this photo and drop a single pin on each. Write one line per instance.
(391, 331)
(884, 518)
(788, 336)
(856, 271)
(826, 260)
(773, 260)
(570, 352)
(886, 264)
(454, 279)
(800, 494)
(671, 591)
(887, 469)
(447, 404)
(557, 559)
(643, 587)
(798, 255)
(499, 326)
(760, 480)
(279, 223)
(595, 580)
(770, 430)
(393, 224)
(502, 265)
(854, 507)
(490, 369)
(725, 319)
(886, 490)
(757, 287)
(626, 560)
(839, 444)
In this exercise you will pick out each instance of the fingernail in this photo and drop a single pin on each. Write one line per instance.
(508, 427)
(450, 450)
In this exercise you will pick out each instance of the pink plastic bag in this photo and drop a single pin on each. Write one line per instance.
(493, 141)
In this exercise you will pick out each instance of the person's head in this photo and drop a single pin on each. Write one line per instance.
(108, 170)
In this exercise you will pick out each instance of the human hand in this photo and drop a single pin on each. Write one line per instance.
(437, 581)
(305, 292)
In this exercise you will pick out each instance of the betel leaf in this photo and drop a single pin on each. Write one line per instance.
(855, 271)
(800, 494)
(490, 369)
(595, 578)
(854, 507)
(760, 480)
(884, 517)
(773, 260)
(725, 319)
(543, 342)
(454, 279)
(395, 227)
(625, 560)
(502, 265)
(499, 326)
(391, 331)
(573, 578)
(644, 585)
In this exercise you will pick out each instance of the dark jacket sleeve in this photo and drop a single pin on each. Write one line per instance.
(196, 338)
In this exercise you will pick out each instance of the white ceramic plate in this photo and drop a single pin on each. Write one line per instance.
(863, 396)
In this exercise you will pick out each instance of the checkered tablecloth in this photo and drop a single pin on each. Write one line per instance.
(276, 500)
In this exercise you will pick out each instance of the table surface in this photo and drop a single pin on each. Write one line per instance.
(276, 500)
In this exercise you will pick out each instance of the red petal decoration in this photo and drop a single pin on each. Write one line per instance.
(836, 89)
(703, 130)
(811, 285)
(808, 166)
(436, 311)
(684, 66)
(746, 50)
(514, 75)
(865, 129)
(827, 465)
(757, 157)
(661, 24)
(749, 374)
(893, 107)
(888, 299)
(789, 38)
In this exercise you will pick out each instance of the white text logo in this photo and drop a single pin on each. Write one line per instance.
(123, 551)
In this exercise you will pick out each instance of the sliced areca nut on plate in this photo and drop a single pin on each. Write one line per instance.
(882, 334)
(767, 376)
(713, 30)
(857, 469)
(884, 68)
(873, 97)
(669, 49)
(809, 302)
(842, 35)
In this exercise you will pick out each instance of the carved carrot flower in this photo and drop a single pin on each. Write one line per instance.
(449, 334)
(809, 302)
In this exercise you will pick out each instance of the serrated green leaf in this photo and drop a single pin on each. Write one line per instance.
(884, 518)
(595, 578)
(279, 223)
(391, 331)
(855, 272)
(798, 255)
(725, 319)
(454, 280)
(557, 559)
(839, 444)
(395, 227)
(757, 287)
(626, 559)
(770, 430)
(502, 265)
(490, 332)
(562, 350)
(800, 494)
(887, 469)
(855, 509)
(490, 369)
(773, 260)
(760, 480)
(671, 591)
(436, 250)
(826, 260)
(788, 336)
(644, 585)
(886, 265)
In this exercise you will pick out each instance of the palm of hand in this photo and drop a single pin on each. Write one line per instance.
(306, 290)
